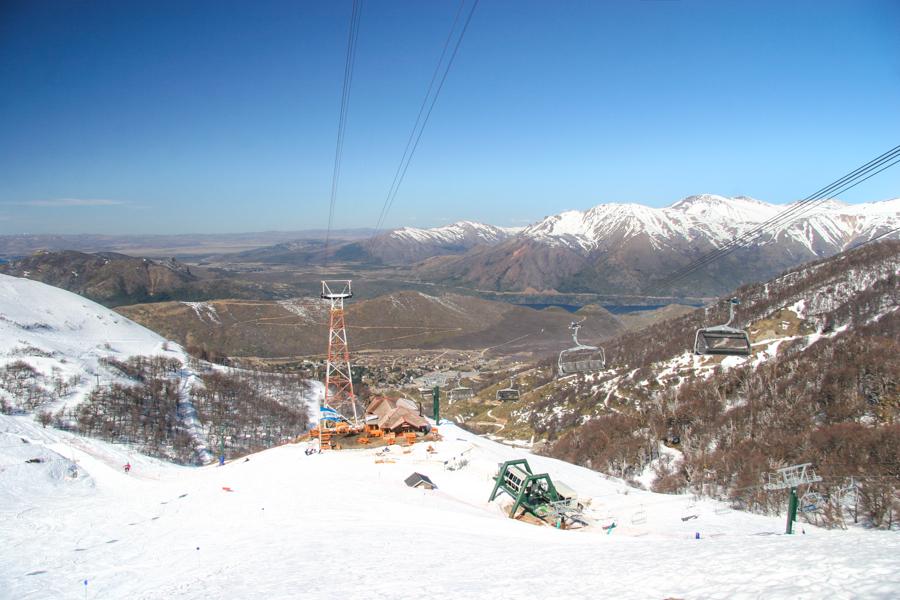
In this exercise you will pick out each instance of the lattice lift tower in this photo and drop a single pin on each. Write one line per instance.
(338, 380)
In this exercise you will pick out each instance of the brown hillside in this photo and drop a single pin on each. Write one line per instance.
(396, 321)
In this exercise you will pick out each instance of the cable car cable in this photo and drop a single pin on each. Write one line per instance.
(412, 133)
(792, 212)
(777, 221)
(817, 196)
(349, 61)
(392, 194)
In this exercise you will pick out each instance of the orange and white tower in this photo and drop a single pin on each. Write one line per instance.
(338, 381)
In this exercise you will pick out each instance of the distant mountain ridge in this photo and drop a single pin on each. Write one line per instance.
(608, 250)
(114, 279)
(411, 244)
(629, 248)
(716, 219)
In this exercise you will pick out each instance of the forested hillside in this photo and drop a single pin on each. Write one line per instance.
(822, 386)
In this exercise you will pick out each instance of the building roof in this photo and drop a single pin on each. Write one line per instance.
(419, 480)
(382, 406)
(401, 416)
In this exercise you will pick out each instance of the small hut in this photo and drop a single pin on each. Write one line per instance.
(418, 480)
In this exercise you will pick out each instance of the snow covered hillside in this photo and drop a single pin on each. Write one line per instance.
(55, 348)
(77, 365)
(64, 337)
(820, 386)
(344, 525)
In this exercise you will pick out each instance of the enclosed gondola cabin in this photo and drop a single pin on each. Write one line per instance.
(723, 340)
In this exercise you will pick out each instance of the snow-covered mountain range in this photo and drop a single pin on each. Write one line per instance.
(626, 248)
(717, 220)
(695, 219)
(611, 249)
(411, 244)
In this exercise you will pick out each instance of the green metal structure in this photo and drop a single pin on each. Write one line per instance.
(436, 396)
(791, 478)
(535, 493)
(792, 511)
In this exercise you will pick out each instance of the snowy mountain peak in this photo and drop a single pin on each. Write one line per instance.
(461, 231)
(714, 218)
(714, 200)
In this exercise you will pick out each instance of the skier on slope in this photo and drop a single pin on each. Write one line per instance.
(127, 467)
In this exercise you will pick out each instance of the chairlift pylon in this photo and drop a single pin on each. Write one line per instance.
(723, 340)
(580, 358)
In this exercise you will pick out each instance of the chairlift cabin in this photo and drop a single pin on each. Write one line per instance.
(723, 340)
(460, 392)
(580, 358)
(811, 502)
(508, 394)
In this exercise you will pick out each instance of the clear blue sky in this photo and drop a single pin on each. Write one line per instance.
(216, 116)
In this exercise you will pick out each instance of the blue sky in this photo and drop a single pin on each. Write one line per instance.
(218, 116)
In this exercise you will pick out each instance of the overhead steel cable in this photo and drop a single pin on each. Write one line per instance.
(852, 179)
(349, 61)
(792, 211)
(412, 133)
(430, 100)
(680, 276)
(874, 239)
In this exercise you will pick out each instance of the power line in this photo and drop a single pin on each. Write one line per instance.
(852, 179)
(349, 61)
(415, 135)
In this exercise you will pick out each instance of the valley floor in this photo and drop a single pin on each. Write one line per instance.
(281, 524)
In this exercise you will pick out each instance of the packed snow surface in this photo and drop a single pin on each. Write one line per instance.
(58, 332)
(343, 524)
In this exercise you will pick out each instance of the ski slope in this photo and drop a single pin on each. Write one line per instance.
(58, 332)
(341, 525)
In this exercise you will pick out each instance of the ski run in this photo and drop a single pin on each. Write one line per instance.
(282, 524)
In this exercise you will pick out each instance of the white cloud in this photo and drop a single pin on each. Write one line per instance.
(72, 202)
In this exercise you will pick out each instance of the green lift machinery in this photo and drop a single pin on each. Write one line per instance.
(536, 494)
